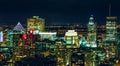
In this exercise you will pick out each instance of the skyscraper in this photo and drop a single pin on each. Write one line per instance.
(91, 40)
(111, 28)
(35, 23)
(111, 32)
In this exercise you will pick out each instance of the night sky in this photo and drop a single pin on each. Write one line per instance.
(58, 11)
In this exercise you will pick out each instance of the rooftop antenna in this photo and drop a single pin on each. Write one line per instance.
(109, 9)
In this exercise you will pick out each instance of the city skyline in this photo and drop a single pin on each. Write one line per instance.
(58, 12)
(60, 45)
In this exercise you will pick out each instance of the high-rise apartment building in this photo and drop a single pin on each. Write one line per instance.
(91, 40)
(35, 23)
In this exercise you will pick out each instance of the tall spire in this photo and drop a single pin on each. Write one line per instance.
(109, 9)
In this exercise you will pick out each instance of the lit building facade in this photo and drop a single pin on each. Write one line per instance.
(35, 23)
(10, 38)
(111, 32)
(48, 35)
(60, 51)
(1, 34)
(71, 38)
(91, 39)
(111, 28)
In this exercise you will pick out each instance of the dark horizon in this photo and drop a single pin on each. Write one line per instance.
(58, 12)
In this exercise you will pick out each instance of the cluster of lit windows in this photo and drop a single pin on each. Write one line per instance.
(111, 29)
